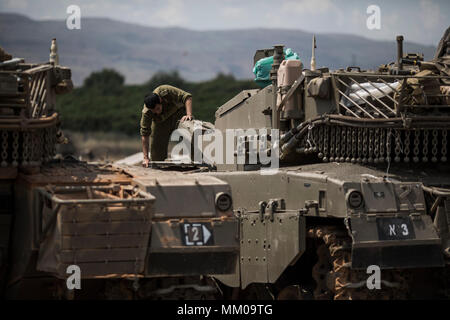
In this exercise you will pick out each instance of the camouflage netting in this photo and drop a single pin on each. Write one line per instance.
(418, 89)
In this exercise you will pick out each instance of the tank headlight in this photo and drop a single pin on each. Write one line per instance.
(223, 201)
(355, 199)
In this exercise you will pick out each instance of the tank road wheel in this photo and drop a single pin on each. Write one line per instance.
(336, 280)
(323, 275)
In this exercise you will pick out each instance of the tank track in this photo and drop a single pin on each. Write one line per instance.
(167, 288)
(336, 280)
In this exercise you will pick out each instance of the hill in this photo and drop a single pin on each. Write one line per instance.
(138, 52)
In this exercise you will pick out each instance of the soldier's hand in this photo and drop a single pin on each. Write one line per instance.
(146, 162)
(186, 118)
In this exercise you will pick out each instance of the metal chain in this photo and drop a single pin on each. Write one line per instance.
(310, 139)
(29, 142)
(354, 146)
(388, 145)
(364, 159)
(398, 145)
(370, 146)
(36, 147)
(40, 145)
(434, 143)
(316, 139)
(376, 151)
(332, 138)
(48, 146)
(44, 145)
(360, 145)
(416, 146)
(407, 142)
(53, 142)
(25, 148)
(325, 143)
(343, 143)
(304, 143)
(349, 145)
(320, 140)
(382, 145)
(444, 146)
(4, 148)
(338, 143)
(15, 152)
(425, 145)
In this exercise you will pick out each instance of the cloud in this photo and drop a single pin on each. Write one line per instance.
(173, 13)
(422, 20)
(430, 14)
(307, 6)
(15, 5)
(232, 13)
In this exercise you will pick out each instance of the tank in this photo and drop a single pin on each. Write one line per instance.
(358, 208)
(347, 197)
(76, 230)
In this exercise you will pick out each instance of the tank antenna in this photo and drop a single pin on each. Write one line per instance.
(313, 55)
(399, 52)
(54, 58)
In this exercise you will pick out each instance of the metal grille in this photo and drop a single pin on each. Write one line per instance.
(27, 120)
(386, 96)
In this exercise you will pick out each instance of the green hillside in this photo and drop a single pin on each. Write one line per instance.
(105, 103)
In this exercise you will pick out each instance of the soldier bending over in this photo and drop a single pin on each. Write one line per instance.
(160, 115)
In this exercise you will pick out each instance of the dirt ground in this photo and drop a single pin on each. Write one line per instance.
(99, 146)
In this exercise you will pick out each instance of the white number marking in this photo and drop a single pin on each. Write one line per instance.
(195, 234)
(405, 231)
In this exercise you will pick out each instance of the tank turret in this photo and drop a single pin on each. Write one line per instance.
(28, 120)
(363, 177)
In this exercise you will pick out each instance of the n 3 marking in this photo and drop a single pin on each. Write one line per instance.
(400, 228)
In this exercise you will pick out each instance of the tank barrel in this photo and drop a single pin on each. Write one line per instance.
(278, 57)
(12, 62)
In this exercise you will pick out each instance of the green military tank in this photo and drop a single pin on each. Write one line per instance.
(73, 230)
(362, 186)
(350, 178)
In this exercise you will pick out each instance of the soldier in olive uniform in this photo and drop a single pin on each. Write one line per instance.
(160, 114)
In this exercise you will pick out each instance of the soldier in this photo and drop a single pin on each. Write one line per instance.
(160, 115)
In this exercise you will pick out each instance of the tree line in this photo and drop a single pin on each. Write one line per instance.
(105, 103)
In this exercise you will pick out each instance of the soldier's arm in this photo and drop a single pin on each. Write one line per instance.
(186, 99)
(188, 105)
(179, 95)
(145, 143)
(146, 125)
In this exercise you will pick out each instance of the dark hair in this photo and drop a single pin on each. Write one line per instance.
(151, 100)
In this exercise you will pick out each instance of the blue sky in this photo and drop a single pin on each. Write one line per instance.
(422, 21)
